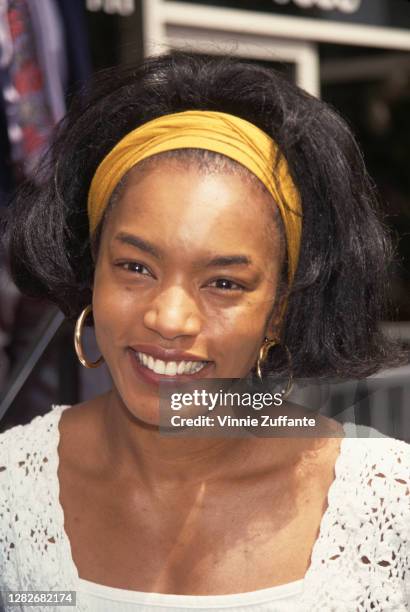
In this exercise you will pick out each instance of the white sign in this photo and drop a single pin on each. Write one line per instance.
(345, 6)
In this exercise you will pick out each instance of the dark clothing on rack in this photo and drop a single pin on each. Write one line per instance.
(77, 44)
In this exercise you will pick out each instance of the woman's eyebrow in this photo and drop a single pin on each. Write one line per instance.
(217, 260)
(229, 260)
(139, 243)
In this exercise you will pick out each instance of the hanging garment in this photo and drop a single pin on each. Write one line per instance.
(49, 40)
(6, 45)
(6, 174)
(9, 98)
(73, 16)
(31, 108)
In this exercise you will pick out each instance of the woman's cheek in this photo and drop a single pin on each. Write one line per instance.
(235, 339)
(115, 315)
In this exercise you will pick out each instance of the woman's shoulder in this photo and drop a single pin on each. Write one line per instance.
(22, 445)
(373, 458)
(365, 531)
(32, 453)
(373, 474)
(28, 453)
(29, 510)
(368, 448)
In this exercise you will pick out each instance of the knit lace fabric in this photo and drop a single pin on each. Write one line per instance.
(360, 560)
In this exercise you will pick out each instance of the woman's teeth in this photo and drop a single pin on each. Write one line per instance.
(170, 368)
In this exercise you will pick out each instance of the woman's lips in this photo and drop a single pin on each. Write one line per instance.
(152, 378)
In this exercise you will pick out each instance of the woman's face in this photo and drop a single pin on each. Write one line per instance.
(185, 280)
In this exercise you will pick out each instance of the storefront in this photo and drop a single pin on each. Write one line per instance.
(291, 31)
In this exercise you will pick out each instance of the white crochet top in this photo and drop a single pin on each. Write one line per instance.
(360, 560)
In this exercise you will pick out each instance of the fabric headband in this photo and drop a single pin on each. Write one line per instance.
(222, 133)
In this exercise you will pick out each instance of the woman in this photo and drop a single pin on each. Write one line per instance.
(219, 224)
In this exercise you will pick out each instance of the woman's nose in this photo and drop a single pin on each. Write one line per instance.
(173, 313)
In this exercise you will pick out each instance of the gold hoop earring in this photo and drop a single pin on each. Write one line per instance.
(77, 340)
(263, 353)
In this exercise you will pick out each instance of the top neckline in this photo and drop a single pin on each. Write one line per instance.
(283, 590)
(140, 597)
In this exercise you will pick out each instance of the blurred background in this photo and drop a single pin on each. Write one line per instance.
(354, 54)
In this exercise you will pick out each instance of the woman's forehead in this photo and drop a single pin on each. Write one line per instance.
(182, 202)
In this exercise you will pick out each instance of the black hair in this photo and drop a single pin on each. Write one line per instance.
(340, 291)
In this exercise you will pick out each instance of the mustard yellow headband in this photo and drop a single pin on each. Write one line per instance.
(222, 133)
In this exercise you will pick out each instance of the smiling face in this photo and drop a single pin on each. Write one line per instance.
(187, 271)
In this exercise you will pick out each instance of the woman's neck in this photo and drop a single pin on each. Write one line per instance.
(142, 453)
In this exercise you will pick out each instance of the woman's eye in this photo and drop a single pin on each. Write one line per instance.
(133, 266)
(226, 285)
